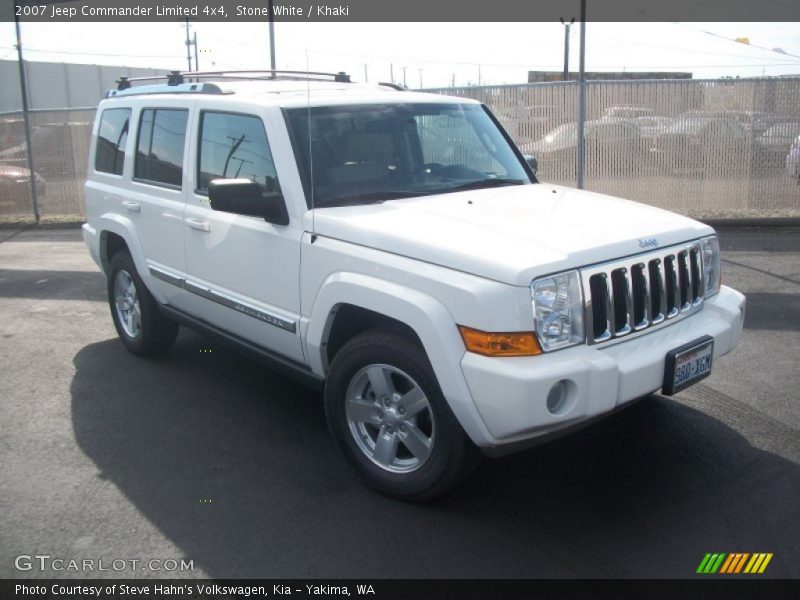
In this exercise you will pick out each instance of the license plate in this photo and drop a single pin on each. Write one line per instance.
(688, 364)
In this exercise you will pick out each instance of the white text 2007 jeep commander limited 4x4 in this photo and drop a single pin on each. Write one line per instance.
(396, 249)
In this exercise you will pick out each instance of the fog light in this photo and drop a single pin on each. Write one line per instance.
(558, 397)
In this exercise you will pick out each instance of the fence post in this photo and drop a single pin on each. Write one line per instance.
(582, 99)
(26, 120)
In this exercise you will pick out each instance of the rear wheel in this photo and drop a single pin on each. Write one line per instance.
(140, 325)
(387, 414)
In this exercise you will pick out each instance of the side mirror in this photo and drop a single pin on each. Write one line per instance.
(532, 163)
(244, 197)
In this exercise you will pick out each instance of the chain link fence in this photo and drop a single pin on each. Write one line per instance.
(709, 149)
(60, 144)
(723, 148)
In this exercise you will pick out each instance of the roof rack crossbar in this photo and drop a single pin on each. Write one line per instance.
(179, 77)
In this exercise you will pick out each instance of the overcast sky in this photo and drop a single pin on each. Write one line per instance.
(433, 53)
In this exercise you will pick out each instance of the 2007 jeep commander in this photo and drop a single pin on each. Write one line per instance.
(397, 250)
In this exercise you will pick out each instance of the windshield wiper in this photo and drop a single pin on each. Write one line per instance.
(483, 183)
(369, 198)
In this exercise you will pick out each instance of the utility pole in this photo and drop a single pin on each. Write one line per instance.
(271, 34)
(479, 74)
(566, 45)
(420, 79)
(582, 99)
(404, 76)
(23, 86)
(366, 75)
(188, 45)
(196, 55)
(391, 72)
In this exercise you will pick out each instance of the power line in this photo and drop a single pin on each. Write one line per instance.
(735, 41)
(695, 51)
(394, 58)
(57, 51)
(442, 62)
(530, 65)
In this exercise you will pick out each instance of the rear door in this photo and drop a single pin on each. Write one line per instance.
(158, 191)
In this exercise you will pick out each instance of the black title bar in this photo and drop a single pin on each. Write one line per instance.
(65, 11)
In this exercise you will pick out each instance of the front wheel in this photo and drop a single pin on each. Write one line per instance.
(140, 325)
(387, 414)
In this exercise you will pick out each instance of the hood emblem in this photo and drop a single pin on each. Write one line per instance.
(648, 243)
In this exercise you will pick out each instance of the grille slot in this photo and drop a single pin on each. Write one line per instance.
(599, 291)
(696, 270)
(641, 296)
(636, 294)
(685, 281)
(622, 302)
(658, 300)
(671, 283)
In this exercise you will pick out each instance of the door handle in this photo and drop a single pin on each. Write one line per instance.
(198, 224)
(132, 206)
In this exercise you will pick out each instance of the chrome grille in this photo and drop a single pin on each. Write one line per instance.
(642, 292)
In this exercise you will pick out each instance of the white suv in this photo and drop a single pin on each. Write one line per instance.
(396, 250)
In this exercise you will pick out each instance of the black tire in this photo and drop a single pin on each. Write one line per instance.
(452, 457)
(156, 333)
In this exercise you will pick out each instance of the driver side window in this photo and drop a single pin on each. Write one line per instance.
(234, 146)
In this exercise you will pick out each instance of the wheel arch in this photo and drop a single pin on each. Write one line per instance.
(116, 233)
(345, 321)
(382, 303)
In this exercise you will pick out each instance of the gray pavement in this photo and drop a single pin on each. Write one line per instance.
(209, 457)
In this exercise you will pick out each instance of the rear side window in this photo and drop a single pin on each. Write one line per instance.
(112, 136)
(235, 146)
(159, 148)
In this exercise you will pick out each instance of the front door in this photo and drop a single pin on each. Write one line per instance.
(242, 272)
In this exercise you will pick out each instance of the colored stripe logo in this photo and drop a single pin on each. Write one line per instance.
(734, 563)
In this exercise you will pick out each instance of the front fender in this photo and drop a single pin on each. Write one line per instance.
(429, 319)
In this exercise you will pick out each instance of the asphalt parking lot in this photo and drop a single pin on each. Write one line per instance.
(206, 456)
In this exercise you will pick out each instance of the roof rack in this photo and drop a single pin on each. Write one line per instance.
(177, 88)
(177, 78)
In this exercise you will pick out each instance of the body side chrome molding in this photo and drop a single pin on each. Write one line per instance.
(224, 299)
(286, 366)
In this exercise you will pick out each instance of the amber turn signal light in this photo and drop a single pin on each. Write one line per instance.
(522, 343)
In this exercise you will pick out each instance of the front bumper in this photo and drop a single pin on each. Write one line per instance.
(511, 393)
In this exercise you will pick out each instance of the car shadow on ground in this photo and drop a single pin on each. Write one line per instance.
(235, 466)
(41, 284)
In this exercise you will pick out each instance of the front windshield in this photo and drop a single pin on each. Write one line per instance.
(376, 152)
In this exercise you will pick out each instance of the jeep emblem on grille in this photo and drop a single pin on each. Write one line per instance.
(648, 243)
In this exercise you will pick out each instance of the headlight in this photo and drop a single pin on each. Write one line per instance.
(558, 310)
(711, 264)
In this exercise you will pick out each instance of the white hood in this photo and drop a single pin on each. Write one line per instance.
(509, 234)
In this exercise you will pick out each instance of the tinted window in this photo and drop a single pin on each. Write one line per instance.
(235, 146)
(111, 138)
(159, 149)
